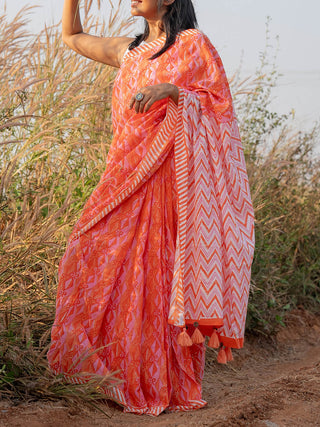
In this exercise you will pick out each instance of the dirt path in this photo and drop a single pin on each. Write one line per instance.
(269, 383)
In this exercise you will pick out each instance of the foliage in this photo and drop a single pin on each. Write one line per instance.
(284, 176)
(55, 131)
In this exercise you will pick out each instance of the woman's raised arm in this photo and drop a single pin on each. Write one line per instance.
(108, 50)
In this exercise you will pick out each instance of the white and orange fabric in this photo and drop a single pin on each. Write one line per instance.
(162, 252)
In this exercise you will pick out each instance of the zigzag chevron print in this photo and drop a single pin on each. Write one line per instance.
(216, 228)
(215, 242)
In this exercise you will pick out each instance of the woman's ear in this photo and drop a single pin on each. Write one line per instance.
(168, 2)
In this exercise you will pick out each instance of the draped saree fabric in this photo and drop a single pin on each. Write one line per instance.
(165, 242)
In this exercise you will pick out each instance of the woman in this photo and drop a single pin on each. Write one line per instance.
(162, 252)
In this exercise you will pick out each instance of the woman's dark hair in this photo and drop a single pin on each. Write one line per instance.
(180, 16)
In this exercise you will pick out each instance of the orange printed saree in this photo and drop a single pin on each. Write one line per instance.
(162, 252)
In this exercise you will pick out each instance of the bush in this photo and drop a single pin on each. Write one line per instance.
(284, 174)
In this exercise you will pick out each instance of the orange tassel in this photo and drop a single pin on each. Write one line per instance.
(197, 337)
(229, 354)
(214, 340)
(222, 358)
(183, 339)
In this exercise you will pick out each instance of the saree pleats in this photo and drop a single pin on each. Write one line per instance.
(118, 300)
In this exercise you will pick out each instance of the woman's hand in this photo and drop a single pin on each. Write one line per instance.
(152, 94)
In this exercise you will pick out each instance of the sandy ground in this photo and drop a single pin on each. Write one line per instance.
(270, 382)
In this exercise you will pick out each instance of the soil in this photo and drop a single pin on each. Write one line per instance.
(271, 382)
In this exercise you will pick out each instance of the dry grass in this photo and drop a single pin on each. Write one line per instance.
(284, 174)
(55, 130)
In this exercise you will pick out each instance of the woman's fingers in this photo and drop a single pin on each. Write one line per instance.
(151, 94)
(132, 101)
(148, 105)
(142, 104)
(139, 106)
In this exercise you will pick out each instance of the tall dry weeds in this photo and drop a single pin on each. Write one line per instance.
(284, 174)
(55, 131)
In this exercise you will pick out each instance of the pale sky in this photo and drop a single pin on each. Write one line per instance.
(237, 28)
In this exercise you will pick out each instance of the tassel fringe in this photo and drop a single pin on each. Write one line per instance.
(225, 353)
(214, 340)
(222, 358)
(197, 337)
(229, 354)
(184, 339)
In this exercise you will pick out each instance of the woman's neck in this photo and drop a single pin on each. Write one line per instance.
(154, 30)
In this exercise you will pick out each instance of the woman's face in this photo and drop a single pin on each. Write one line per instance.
(149, 9)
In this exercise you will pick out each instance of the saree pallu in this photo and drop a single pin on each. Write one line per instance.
(164, 245)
